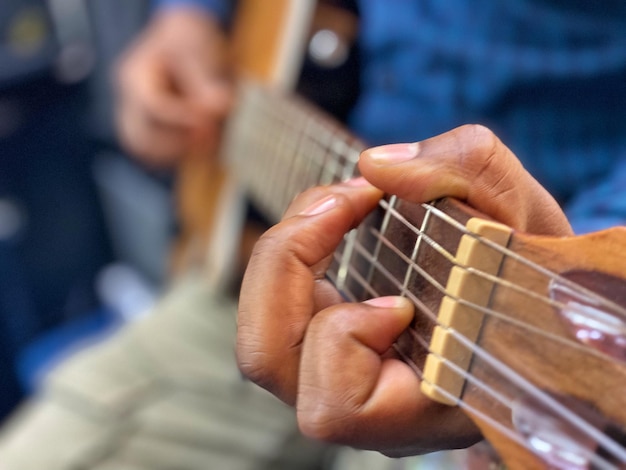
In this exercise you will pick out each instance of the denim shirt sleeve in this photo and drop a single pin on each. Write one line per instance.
(222, 9)
(601, 205)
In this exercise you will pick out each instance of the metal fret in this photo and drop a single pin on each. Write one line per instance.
(346, 259)
(383, 229)
(322, 139)
(414, 254)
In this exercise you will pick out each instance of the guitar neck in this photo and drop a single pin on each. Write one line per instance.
(280, 145)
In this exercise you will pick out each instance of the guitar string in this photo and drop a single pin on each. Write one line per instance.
(468, 408)
(371, 290)
(424, 237)
(593, 458)
(495, 280)
(604, 441)
(591, 295)
(582, 425)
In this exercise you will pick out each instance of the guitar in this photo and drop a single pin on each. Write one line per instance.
(525, 333)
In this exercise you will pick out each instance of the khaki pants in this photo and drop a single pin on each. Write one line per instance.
(163, 393)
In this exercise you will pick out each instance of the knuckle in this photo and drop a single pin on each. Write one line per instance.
(483, 158)
(308, 196)
(257, 364)
(478, 131)
(337, 320)
(253, 365)
(478, 143)
(269, 242)
(321, 423)
(288, 241)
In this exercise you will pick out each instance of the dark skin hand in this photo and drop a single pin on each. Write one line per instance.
(330, 359)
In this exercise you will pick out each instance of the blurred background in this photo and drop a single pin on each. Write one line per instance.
(84, 230)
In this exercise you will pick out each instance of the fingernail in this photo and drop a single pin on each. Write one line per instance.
(320, 206)
(392, 301)
(357, 182)
(393, 153)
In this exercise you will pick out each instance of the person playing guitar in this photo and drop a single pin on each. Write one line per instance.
(530, 70)
(493, 100)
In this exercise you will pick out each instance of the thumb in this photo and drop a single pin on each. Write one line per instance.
(469, 163)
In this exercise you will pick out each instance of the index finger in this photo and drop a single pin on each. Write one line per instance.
(282, 286)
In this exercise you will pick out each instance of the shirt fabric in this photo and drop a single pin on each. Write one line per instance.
(28, 47)
(547, 76)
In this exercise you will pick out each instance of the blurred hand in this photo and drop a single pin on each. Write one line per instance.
(332, 360)
(172, 87)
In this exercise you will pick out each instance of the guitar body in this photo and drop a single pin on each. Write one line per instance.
(269, 46)
(527, 334)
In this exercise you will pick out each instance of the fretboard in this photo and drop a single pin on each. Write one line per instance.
(281, 145)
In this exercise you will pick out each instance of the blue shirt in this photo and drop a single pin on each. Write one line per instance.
(26, 56)
(548, 76)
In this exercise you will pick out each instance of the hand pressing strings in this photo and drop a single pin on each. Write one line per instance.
(330, 359)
